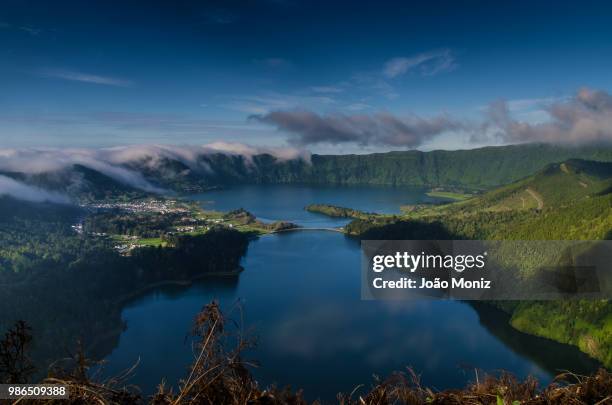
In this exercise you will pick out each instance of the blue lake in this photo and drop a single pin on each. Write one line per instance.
(274, 202)
(300, 295)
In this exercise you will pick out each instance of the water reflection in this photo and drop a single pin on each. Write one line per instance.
(300, 294)
(549, 355)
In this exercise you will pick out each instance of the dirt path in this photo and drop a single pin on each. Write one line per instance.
(537, 197)
(564, 168)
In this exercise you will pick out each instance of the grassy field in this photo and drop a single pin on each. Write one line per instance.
(154, 242)
(449, 195)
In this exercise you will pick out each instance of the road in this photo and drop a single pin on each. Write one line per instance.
(537, 197)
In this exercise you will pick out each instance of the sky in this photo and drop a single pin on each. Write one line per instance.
(330, 77)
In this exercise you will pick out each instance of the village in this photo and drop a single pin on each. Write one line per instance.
(129, 225)
(161, 206)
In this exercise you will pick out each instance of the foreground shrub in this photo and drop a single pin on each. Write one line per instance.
(219, 375)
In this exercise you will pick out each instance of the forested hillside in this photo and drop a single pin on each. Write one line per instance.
(571, 200)
(472, 169)
(70, 285)
(475, 169)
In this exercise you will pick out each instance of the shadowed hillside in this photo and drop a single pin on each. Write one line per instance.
(571, 200)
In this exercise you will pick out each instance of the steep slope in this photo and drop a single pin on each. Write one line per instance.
(79, 182)
(557, 185)
(172, 175)
(571, 200)
(471, 169)
(476, 168)
(11, 209)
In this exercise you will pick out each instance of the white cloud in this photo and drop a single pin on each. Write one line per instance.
(116, 162)
(427, 63)
(84, 77)
(532, 103)
(21, 191)
(41, 160)
(33, 31)
(264, 103)
(309, 128)
(248, 151)
(584, 118)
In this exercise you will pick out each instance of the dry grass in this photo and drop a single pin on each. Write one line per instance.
(405, 388)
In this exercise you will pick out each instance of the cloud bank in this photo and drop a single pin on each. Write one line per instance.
(21, 191)
(584, 118)
(309, 128)
(122, 163)
(43, 160)
(248, 151)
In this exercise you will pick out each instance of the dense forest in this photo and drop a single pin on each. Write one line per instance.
(70, 286)
(464, 169)
(38, 235)
(145, 225)
(337, 212)
(46, 266)
(475, 168)
(461, 170)
(571, 200)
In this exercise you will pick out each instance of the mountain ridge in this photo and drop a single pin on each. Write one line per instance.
(470, 169)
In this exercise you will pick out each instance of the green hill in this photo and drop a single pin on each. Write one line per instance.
(474, 169)
(571, 200)
(568, 200)
(481, 168)
(558, 185)
(460, 170)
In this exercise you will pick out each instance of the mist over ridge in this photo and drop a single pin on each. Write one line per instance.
(21, 191)
(126, 165)
(166, 169)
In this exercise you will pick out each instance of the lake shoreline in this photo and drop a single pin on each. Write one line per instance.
(304, 283)
(178, 282)
(121, 302)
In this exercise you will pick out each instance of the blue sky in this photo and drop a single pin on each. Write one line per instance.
(106, 73)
